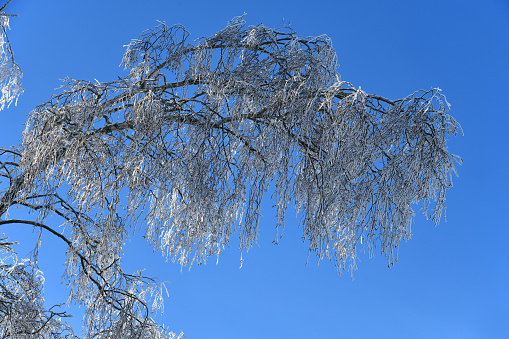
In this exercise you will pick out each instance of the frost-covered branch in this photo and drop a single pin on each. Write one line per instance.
(10, 72)
(22, 311)
(183, 148)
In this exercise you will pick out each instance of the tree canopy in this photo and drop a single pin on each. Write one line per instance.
(182, 150)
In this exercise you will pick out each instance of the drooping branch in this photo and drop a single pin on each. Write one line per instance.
(10, 72)
(270, 99)
(184, 147)
(22, 313)
(129, 287)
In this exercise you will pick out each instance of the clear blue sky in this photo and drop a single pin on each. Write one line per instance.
(450, 281)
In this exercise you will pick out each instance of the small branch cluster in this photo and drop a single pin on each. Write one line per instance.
(22, 312)
(10, 72)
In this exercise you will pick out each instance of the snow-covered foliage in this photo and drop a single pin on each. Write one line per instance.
(10, 72)
(22, 312)
(184, 147)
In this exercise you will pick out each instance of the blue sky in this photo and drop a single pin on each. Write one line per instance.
(450, 281)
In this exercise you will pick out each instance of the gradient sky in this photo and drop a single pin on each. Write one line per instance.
(450, 281)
